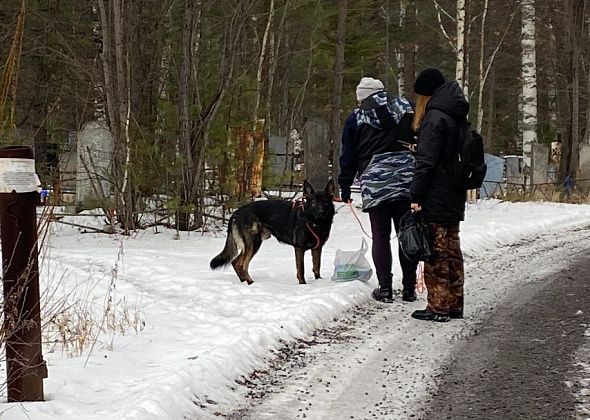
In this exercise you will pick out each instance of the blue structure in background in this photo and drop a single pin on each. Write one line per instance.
(494, 176)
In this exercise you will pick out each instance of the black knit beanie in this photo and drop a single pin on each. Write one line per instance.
(428, 81)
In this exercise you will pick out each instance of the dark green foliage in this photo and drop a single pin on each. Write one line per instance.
(61, 74)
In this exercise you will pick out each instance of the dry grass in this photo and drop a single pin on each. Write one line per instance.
(548, 192)
(75, 315)
(77, 318)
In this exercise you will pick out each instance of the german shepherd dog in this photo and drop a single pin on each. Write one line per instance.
(304, 224)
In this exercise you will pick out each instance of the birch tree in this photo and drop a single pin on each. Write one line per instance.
(115, 64)
(460, 48)
(400, 56)
(529, 82)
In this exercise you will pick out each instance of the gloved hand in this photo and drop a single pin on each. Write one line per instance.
(345, 195)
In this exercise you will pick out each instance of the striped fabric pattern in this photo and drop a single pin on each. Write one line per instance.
(397, 108)
(387, 178)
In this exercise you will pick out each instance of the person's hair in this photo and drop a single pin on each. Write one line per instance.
(419, 111)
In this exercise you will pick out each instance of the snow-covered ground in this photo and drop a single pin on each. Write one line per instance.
(189, 332)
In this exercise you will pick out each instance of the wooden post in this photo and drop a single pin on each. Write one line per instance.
(22, 319)
(316, 152)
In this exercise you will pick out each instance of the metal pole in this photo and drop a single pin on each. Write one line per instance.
(22, 319)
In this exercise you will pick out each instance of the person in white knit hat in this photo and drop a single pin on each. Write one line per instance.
(367, 87)
(376, 148)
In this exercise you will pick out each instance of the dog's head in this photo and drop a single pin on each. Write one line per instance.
(319, 205)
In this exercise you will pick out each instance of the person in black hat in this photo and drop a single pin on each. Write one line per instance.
(440, 113)
(376, 148)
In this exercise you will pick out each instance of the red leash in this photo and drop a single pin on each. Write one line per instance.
(317, 238)
(420, 287)
(358, 220)
(300, 204)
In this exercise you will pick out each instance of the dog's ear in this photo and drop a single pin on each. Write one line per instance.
(308, 190)
(330, 188)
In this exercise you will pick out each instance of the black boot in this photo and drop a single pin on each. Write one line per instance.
(456, 314)
(409, 295)
(427, 315)
(382, 295)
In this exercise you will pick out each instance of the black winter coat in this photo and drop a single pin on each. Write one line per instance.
(437, 144)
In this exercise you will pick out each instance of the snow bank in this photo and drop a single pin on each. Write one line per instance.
(203, 329)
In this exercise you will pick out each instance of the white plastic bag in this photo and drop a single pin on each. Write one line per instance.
(352, 265)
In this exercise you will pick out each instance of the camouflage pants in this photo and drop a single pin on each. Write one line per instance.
(444, 275)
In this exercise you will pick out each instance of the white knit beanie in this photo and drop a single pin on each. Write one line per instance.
(367, 87)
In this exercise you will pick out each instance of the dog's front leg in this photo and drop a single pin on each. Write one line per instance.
(299, 254)
(316, 256)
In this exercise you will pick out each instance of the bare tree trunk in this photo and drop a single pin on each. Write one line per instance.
(184, 93)
(300, 98)
(107, 65)
(232, 37)
(460, 44)
(466, 54)
(115, 63)
(275, 49)
(414, 72)
(491, 102)
(586, 67)
(529, 85)
(587, 132)
(400, 56)
(261, 61)
(483, 75)
(385, 9)
(481, 64)
(575, 153)
(439, 12)
(337, 92)
(561, 67)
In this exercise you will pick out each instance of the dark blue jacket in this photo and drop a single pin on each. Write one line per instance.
(373, 128)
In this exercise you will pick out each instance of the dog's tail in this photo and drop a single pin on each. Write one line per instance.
(230, 250)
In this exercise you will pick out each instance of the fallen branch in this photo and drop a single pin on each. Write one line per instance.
(84, 227)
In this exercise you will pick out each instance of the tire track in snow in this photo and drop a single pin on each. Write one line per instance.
(377, 362)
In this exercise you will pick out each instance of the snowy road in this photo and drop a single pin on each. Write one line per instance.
(375, 363)
(521, 362)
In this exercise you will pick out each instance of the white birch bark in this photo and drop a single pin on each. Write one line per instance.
(400, 57)
(460, 69)
(439, 12)
(529, 83)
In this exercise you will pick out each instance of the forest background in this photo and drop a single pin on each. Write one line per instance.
(189, 88)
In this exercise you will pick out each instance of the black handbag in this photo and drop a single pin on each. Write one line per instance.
(415, 239)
